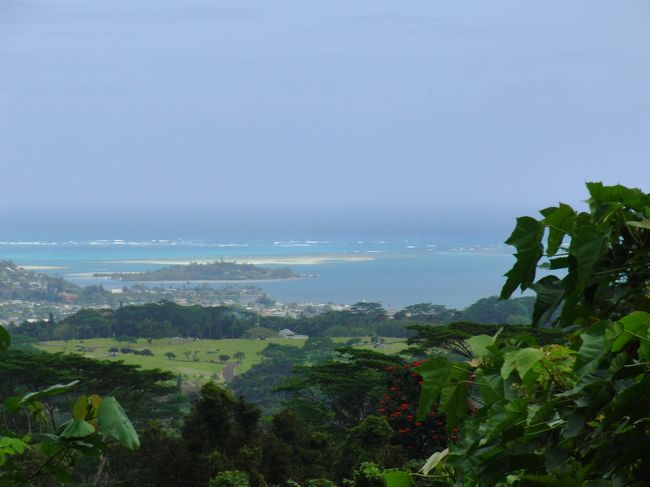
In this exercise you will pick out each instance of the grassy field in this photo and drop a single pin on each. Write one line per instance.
(196, 361)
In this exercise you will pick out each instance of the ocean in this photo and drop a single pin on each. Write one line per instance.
(395, 271)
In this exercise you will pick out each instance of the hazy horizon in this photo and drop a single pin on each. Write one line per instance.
(427, 107)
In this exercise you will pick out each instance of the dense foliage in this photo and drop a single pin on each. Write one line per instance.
(572, 412)
(552, 414)
(146, 394)
(605, 260)
(43, 451)
(167, 319)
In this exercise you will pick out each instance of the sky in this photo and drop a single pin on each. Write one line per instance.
(438, 108)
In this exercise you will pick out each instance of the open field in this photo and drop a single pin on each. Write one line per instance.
(196, 360)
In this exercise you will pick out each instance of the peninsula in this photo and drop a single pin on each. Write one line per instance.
(214, 271)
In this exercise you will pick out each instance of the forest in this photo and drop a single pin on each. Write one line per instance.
(556, 401)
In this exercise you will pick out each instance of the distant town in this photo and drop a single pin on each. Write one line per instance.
(30, 296)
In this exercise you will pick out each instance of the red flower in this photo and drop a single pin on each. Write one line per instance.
(404, 406)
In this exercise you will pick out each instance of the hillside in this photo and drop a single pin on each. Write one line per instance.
(215, 271)
(20, 284)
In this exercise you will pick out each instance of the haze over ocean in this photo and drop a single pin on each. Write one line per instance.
(397, 263)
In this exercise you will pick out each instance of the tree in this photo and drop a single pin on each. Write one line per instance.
(260, 332)
(113, 351)
(427, 313)
(239, 356)
(369, 312)
(230, 478)
(145, 394)
(219, 422)
(339, 394)
(223, 358)
(259, 383)
(170, 355)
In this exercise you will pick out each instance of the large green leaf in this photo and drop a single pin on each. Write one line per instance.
(592, 349)
(539, 415)
(527, 239)
(491, 387)
(78, 428)
(433, 461)
(13, 403)
(397, 478)
(513, 280)
(521, 361)
(434, 374)
(479, 345)
(550, 294)
(501, 417)
(49, 392)
(559, 221)
(80, 408)
(642, 224)
(636, 323)
(5, 339)
(631, 197)
(587, 246)
(453, 397)
(113, 421)
(628, 402)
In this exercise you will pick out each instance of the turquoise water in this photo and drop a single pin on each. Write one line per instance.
(399, 272)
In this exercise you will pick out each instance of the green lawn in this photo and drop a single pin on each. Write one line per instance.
(197, 361)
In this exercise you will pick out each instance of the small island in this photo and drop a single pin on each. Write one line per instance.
(214, 271)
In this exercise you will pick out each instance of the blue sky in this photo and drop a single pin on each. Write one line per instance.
(299, 106)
